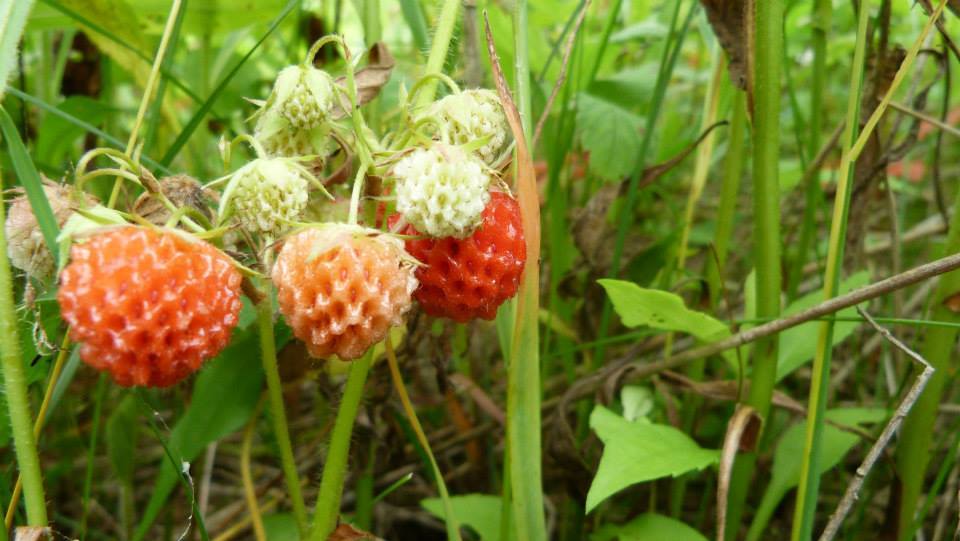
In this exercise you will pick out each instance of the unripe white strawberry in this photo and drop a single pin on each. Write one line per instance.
(266, 195)
(25, 243)
(470, 116)
(303, 95)
(442, 190)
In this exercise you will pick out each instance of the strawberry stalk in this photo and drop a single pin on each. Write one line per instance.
(278, 415)
(15, 385)
(335, 467)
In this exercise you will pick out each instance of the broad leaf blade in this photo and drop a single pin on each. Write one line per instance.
(13, 19)
(640, 451)
(481, 512)
(648, 526)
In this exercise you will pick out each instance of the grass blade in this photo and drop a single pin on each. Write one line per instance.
(30, 180)
(810, 469)
(13, 19)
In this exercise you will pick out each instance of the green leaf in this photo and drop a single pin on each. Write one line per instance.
(413, 14)
(13, 19)
(281, 527)
(835, 444)
(799, 344)
(480, 512)
(224, 397)
(57, 135)
(30, 180)
(121, 435)
(640, 451)
(648, 527)
(638, 306)
(611, 134)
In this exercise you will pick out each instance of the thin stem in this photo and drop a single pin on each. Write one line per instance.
(148, 91)
(726, 213)
(249, 487)
(453, 528)
(439, 48)
(335, 468)
(820, 22)
(808, 488)
(278, 415)
(15, 384)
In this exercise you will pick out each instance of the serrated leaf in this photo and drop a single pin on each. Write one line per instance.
(635, 452)
(611, 134)
(648, 526)
(480, 512)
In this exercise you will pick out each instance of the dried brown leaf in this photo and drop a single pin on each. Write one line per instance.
(371, 79)
(731, 22)
(346, 532)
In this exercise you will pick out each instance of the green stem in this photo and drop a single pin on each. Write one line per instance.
(768, 36)
(15, 384)
(268, 350)
(821, 24)
(804, 512)
(523, 455)
(335, 468)
(439, 48)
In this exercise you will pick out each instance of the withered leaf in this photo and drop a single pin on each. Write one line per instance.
(31, 533)
(952, 302)
(371, 79)
(346, 532)
(732, 23)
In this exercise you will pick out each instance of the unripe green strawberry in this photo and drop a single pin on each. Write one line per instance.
(470, 116)
(442, 190)
(25, 243)
(266, 195)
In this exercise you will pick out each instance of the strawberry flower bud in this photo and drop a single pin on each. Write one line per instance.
(470, 116)
(266, 194)
(442, 190)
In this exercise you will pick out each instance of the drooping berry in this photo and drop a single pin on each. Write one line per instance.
(149, 306)
(25, 243)
(341, 288)
(442, 190)
(266, 195)
(303, 95)
(464, 279)
(470, 116)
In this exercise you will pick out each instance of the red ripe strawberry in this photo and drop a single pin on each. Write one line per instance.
(148, 305)
(464, 279)
(341, 289)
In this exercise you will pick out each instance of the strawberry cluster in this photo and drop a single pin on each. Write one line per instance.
(151, 293)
